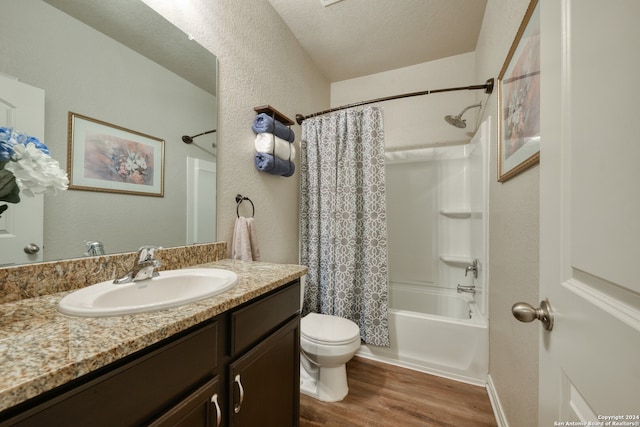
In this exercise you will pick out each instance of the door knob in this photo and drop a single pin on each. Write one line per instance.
(31, 249)
(527, 313)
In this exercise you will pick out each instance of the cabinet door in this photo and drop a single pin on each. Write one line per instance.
(265, 382)
(199, 409)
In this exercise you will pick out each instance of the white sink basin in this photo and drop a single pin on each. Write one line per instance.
(171, 289)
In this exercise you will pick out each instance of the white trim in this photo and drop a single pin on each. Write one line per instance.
(498, 412)
(623, 312)
(366, 353)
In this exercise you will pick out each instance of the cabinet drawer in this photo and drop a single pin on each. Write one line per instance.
(135, 392)
(254, 321)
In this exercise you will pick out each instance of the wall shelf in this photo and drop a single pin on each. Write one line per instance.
(456, 213)
(270, 111)
(456, 260)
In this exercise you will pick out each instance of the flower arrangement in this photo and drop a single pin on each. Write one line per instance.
(27, 166)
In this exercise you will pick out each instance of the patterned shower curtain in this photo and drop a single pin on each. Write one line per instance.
(344, 221)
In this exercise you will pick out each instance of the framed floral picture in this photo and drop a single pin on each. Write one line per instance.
(110, 158)
(519, 100)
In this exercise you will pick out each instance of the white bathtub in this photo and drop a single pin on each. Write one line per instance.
(450, 339)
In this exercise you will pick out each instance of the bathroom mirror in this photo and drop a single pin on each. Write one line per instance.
(118, 62)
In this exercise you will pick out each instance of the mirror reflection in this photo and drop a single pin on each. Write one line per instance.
(121, 63)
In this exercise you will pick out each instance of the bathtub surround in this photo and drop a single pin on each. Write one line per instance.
(343, 219)
(436, 223)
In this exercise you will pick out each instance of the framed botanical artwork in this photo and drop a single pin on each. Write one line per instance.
(110, 158)
(519, 100)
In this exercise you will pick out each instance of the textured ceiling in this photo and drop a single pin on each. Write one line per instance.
(354, 38)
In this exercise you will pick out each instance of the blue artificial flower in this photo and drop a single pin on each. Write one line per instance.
(9, 138)
(6, 147)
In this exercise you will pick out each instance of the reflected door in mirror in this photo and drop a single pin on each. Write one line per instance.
(21, 225)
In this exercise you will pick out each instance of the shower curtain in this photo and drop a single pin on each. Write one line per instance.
(343, 219)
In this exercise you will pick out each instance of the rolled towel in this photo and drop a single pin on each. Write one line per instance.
(273, 165)
(264, 123)
(265, 143)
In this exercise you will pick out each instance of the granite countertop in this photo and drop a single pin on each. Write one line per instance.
(41, 348)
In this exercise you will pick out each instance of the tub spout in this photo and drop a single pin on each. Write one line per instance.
(469, 289)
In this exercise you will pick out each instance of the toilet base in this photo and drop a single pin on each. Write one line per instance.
(327, 384)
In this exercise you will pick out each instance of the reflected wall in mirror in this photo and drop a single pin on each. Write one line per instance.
(85, 71)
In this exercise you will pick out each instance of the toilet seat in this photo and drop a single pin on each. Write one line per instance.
(328, 330)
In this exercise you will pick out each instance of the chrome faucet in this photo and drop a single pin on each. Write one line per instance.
(472, 267)
(94, 248)
(144, 267)
(471, 289)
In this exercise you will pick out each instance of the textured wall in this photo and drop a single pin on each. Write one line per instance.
(261, 62)
(513, 242)
(417, 121)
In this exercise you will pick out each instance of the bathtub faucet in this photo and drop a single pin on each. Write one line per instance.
(472, 267)
(469, 289)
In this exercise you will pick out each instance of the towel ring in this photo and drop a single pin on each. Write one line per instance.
(239, 200)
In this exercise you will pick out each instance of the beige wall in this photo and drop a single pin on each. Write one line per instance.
(261, 62)
(417, 121)
(513, 242)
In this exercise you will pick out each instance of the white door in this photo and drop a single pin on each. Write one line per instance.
(590, 212)
(21, 225)
(201, 201)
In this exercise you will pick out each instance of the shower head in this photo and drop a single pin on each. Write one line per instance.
(458, 121)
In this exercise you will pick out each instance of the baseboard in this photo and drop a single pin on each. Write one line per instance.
(501, 418)
(366, 353)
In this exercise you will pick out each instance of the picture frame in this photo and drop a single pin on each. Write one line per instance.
(519, 100)
(108, 158)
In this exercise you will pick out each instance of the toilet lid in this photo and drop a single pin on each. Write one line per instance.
(325, 329)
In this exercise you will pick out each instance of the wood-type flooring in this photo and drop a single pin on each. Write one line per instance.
(382, 395)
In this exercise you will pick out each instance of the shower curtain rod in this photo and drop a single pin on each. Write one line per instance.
(488, 88)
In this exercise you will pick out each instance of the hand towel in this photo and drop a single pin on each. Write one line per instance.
(273, 165)
(264, 123)
(245, 240)
(270, 144)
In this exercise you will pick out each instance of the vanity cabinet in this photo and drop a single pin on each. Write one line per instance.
(133, 391)
(265, 345)
(241, 368)
(201, 408)
(265, 389)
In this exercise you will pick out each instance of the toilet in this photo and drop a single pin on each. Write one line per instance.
(327, 343)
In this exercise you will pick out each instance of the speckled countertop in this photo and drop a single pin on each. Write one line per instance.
(41, 348)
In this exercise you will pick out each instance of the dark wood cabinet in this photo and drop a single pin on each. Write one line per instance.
(199, 409)
(189, 379)
(265, 390)
(134, 391)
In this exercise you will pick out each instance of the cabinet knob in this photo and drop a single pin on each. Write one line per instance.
(238, 405)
